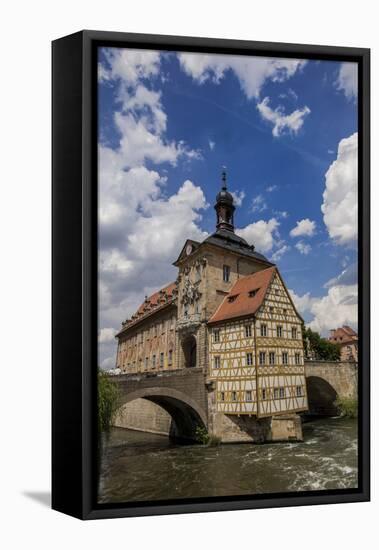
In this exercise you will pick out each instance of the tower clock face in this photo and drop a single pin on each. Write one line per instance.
(188, 249)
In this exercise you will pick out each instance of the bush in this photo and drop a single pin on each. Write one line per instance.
(347, 407)
(107, 401)
(203, 437)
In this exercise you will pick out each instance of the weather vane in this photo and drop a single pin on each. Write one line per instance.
(223, 176)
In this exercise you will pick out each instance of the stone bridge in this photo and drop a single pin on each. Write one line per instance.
(181, 393)
(327, 380)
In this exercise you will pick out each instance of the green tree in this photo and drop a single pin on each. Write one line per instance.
(107, 400)
(320, 348)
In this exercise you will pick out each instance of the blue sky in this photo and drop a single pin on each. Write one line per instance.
(286, 131)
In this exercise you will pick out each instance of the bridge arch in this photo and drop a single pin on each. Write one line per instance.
(321, 396)
(186, 413)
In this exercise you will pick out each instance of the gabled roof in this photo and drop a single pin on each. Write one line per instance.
(195, 245)
(245, 297)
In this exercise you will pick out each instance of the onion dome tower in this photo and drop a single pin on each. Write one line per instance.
(224, 207)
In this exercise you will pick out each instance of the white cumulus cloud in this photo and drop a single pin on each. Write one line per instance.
(276, 256)
(282, 122)
(303, 248)
(252, 72)
(238, 197)
(263, 235)
(338, 307)
(340, 198)
(305, 227)
(347, 80)
(258, 204)
(128, 65)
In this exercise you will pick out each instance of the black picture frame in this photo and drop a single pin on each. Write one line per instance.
(74, 272)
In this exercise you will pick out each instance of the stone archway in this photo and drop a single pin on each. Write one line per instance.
(189, 347)
(321, 397)
(186, 414)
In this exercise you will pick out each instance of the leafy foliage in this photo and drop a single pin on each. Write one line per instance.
(107, 400)
(347, 407)
(320, 348)
(203, 437)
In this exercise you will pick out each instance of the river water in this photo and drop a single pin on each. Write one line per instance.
(141, 466)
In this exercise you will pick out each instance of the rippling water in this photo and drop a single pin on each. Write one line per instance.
(141, 466)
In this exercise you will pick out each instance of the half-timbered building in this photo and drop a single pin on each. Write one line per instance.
(256, 349)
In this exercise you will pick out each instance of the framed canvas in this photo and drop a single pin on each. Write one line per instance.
(210, 275)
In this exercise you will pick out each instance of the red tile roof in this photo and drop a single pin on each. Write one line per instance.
(156, 299)
(152, 303)
(245, 297)
(343, 334)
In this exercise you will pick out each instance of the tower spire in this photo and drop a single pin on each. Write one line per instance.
(223, 178)
(224, 206)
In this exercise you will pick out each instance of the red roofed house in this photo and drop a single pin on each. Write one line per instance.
(347, 338)
(229, 314)
(256, 349)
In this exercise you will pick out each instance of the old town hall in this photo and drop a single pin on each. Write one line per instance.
(229, 313)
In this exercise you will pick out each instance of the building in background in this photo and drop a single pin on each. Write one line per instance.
(347, 339)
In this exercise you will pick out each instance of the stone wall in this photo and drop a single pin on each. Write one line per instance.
(144, 416)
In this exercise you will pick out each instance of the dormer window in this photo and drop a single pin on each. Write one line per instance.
(253, 292)
(232, 298)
